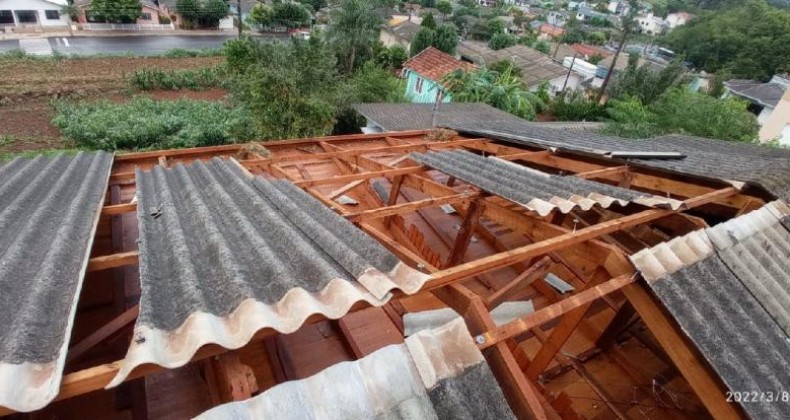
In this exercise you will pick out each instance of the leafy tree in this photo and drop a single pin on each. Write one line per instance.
(290, 15)
(503, 66)
(573, 36)
(354, 29)
(429, 4)
(188, 9)
(629, 118)
(574, 105)
(751, 39)
(500, 41)
(495, 26)
(595, 58)
(528, 40)
(428, 22)
(315, 5)
(446, 38)
(369, 84)
(444, 7)
(543, 47)
(422, 40)
(596, 38)
(503, 90)
(115, 11)
(212, 11)
(644, 84)
(391, 58)
(261, 14)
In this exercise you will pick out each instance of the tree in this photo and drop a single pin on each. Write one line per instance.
(315, 5)
(503, 90)
(354, 28)
(543, 47)
(428, 22)
(495, 26)
(391, 58)
(500, 41)
(596, 38)
(595, 58)
(503, 66)
(212, 11)
(574, 105)
(115, 11)
(445, 8)
(290, 15)
(643, 83)
(446, 38)
(422, 40)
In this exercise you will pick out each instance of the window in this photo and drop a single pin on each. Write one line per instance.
(145, 16)
(418, 85)
(52, 14)
(6, 17)
(26, 16)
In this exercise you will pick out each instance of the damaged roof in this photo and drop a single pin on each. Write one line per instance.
(537, 191)
(49, 210)
(436, 373)
(728, 287)
(224, 254)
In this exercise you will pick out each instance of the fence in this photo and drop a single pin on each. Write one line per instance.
(127, 27)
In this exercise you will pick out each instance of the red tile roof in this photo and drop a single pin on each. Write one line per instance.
(589, 50)
(434, 64)
(551, 30)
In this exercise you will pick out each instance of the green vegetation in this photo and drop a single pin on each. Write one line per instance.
(157, 79)
(444, 38)
(143, 124)
(354, 32)
(501, 89)
(502, 40)
(289, 15)
(201, 13)
(115, 11)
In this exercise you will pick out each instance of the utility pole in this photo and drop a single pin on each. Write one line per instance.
(238, 10)
(568, 76)
(628, 25)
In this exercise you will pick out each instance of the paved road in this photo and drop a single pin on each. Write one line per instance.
(140, 45)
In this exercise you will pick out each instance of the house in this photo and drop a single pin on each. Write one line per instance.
(32, 13)
(651, 24)
(150, 12)
(424, 73)
(769, 101)
(548, 31)
(402, 34)
(587, 51)
(618, 7)
(536, 67)
(556, 18)
(674, 20)
(586, 13)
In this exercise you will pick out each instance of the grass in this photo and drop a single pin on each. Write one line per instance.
(18, 54)
(157, 79)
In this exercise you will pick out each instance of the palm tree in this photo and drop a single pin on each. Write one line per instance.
(354, 27)
(501, 89)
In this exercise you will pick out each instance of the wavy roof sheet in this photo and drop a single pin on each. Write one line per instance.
(435, 374)
(224, 254)
(535, 190)
(728, 287)
(49, 210)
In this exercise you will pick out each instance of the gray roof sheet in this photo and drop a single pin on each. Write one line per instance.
(435, 374)
(49, 209)
(537, 191)
(405, 30)
(535, 66)
(224, 254)
(727, 287)
(728, 160)
(412, 116)
(766, 94)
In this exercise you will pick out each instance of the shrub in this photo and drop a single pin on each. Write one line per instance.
(157, 79)
(143, 123)
(573, 105)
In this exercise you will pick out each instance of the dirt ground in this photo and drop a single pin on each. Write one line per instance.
(28, 86)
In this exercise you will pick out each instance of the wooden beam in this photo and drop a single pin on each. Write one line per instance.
(604, 173)
(235, 381)
(541, 316)
(118, 209)
(409, 207)
(709, 390)
(107, 330)
(521, 281)
(464, 236)
(114, 260)
(340, 179)
(597, 388)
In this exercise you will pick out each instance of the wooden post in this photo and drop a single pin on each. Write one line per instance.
(465, 233)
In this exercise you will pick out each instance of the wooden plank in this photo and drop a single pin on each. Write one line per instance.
(235, 381)
(597, 388)
(541, 316)
(369, 330)
(538, 270)
(409, 207)
(604, 172)
(118, 209)
(464, 236)
(114, 260)
(107, 330)
(709, 390)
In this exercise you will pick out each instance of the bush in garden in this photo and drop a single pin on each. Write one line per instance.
(157, 79)
(144, 123)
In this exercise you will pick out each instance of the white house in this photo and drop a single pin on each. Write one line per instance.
(677, 19)
(769, 101)
(651, 24)
(618, 7)
(31, 13)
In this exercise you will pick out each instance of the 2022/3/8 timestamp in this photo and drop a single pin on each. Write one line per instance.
(758, 396)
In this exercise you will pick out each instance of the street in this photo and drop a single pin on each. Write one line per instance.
(139, 45)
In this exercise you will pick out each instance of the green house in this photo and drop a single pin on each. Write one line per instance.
(424, 73)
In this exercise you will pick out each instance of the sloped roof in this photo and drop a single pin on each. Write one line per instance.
(551, 30)
(436, 373)
(49, 208)
(535, 66)
(405, 30)
(413, 116)
(766, 94)
(224, 254)
(434, 64)
(535, 190)
(589, 50)
(728, 287)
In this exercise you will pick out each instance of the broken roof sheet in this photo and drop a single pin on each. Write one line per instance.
(537, 191)
(435, 374)
(725, 160)
(224, 254)
(728, 289)
(49, 210)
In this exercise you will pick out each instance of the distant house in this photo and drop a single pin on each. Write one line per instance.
(651, 24)
(32, 13)
(547, 31)
(150, 12)
(556, 18)
(587, 51)
(535, 66)
(401, 34)
(769, 101)
(619, 7)
(424, 73)
(586, 13)
(674, 20)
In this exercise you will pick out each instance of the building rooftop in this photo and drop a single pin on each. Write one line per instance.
(535, 66)
(765, 94)
(435, 64)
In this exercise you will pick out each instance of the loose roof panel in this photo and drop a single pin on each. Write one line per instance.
(727, 288)
(435, 374)
(224, 254)
(49, 209)
(535, 190)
